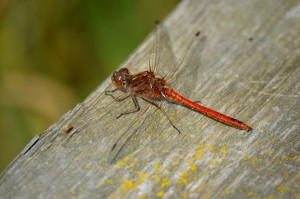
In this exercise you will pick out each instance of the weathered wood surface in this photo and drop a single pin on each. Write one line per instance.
(249, 68)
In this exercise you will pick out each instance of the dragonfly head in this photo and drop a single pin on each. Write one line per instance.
(120, 78)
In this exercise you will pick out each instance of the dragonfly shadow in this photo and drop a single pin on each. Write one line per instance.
(157, 147)
(150, 129)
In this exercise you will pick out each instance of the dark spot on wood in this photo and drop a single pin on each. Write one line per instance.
(197, 34)
(114, 146)
(250, 39)
(69, 130)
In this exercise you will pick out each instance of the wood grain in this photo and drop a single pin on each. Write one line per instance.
(248, 68)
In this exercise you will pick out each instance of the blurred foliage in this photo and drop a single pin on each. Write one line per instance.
(54, 53)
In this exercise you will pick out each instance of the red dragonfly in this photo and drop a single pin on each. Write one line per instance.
(151, 88)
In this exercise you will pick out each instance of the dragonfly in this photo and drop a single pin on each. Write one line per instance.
(151, 88)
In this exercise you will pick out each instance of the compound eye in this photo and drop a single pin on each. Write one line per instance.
(126, 71)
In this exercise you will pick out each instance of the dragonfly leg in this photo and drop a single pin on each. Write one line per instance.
(120, 97)
(112, 91)
(198, 102)
(157, 106)
(136, 109)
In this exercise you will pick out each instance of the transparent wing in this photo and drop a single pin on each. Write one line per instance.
(162, 57)
(187, 58)
(190, 66)
(154, 51)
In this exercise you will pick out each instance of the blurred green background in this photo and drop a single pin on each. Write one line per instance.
(54, 53)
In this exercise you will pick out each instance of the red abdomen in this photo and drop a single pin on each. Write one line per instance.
(175, 97)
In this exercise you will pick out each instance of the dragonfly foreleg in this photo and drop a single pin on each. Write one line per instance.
(157, 106)
(112, 91)
(136, 109)
(120, 97)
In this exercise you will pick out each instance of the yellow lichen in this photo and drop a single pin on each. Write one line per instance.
(133, 163)
(83, 186)
(182, 179)
(126, 186)
(183, 196)
(224, 150)
(140, 178)
(165, 182)
(250, 193)
(292, 158)
(174, 158)
(172, 116)
(160, 193)
(211, 149)
(108, 181)
(73, 191)
(199, 153)
(254, 160)
(122, 163)
(128, 183)
(193, 167)
(200, 187)
(87, 167)
(217, 176)
(156, 178)
(286, 176)
(213, 162)
(143, 197)
(226, 191)
(155, 168)
(283, 189)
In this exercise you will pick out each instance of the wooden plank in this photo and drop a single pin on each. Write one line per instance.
(248, 68)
